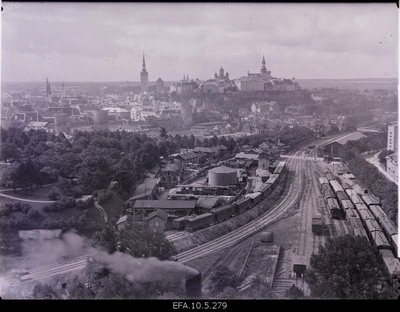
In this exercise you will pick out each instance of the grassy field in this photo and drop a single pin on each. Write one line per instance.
(34, 194)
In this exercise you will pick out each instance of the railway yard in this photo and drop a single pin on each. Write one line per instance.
(298, 201)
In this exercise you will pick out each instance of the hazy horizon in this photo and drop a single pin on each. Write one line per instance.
(105, 41)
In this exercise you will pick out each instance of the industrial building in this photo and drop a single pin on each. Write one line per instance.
(222, 176)
(143, 208)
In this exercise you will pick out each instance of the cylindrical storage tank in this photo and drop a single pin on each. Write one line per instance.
(101, 120)
(222, 176)
(60, 123)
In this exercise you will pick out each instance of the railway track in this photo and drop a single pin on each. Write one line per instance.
(254, 226)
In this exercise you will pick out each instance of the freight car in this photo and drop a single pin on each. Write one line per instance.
(328, 194)
(179, 223)
(351, 213)
(341, 195)
(317, 225)
(242, 205)
(224, 212)
(388, 228)
(391, 264)
(273, 179)
(199, 222)
(379, 240)
(355, 223)
(366, 215)
(358, 189)
(266, 189)
(356, 199)
(360, 232)
(360, 207)
(336, 186)
(323, 180)
(327, 170)
(279, 169)
(325, 187)
(371, 226)
(370, 200)
(346, 186)
(330, 176)
(377, 212)
(394, 241)
(346, 204)
(334, 208)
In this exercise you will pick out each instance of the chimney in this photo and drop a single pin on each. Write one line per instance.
(193, 286)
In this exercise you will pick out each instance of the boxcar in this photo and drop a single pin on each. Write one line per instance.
(328, 194)
(358, 189)
(377, 211)
(387, 226)
(391, 264)
(351, 213)
(323, 180)
(223, 213)
(371, 226)
(266, 189)
(341, 195)
(347, 204)
(394, 240)
(360, 207)
(316, 225)
(356, 199)
(349, 192)
(280, 167)
(330, 176)
(370, 200)
(379, 240)
(327, 170)
(273, 178)
(366, 215)
(355, 223)
(325, 187)
(360, 232)
(200, 221)
(334, 208)
(336, 186)
(243, 204)
(346, 186)
(299, 264)
(179, 223)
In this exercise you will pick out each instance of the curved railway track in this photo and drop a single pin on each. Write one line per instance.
(274, 214)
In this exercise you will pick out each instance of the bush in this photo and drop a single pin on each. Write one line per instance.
(33, 213)
(53, 207)
(25, 207)
(69, 202)
(80, 204)
(46, 208)
(54, 195)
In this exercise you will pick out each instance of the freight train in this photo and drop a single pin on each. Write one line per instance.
(365, 216)
(376, 226)
(223, 213)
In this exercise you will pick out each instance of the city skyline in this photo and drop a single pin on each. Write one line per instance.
(105, 42)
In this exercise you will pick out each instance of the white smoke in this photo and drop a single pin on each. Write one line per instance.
(43, 252)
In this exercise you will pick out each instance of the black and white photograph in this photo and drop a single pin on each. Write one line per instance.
(199, 153)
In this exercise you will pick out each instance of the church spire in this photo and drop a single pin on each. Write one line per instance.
(144, 64)
(263, 60)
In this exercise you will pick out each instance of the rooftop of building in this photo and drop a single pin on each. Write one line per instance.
(165, 204)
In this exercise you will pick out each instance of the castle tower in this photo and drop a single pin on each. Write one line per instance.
(144, 77)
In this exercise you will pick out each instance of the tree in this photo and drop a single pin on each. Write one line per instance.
(9, 151)
(107, 238)
(43, 291)
(348, 267)
(294, 292)
(224, 277)
(33, 213)
(163, 133)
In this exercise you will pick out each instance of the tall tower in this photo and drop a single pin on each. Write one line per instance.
(48, 89)
(144, 77)
(263, 68)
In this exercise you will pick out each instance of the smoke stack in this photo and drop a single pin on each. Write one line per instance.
(193, 286)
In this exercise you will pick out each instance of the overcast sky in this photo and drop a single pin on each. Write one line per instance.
(105, 41)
